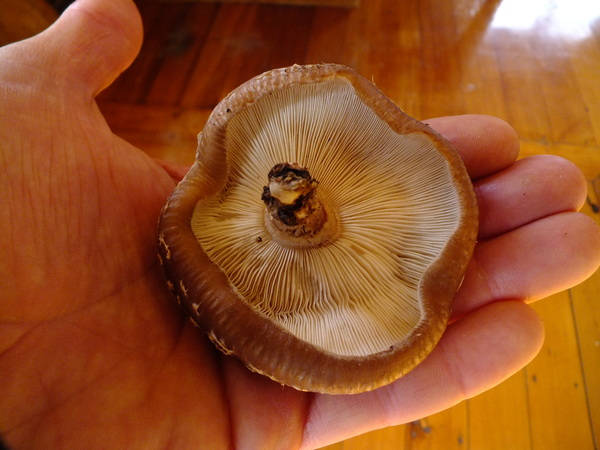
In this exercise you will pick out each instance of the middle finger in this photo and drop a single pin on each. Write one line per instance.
(530, 189)
(531, 262)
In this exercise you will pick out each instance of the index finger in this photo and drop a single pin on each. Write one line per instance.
(486, 144)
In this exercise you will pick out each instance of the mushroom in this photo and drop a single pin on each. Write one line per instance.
(321, 234)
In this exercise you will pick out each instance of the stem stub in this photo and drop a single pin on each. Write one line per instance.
(295, 215)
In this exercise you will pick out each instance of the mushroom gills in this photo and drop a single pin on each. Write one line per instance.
(392, 197)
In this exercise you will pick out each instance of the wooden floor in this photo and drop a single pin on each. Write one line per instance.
(535, 64)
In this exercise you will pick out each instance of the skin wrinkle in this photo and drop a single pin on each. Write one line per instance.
(49, 401)
(16, 429)
(453, 372)
(28, 174)
(138, 214)
(20, 83)
(52, 174)
(112, 178)
(71, 195)
(109, 23)
(388, 402)
(57, 405)
(477, 188)
(31, 200)
(19, 339)
(111, 26)
(118, 290)
(170, 440)
(134, 162)
(46, 412)
(502, 148)
(537, 171)
(43, 174)
(310, 402)
(114, 186)
(175, 172)
(153, 384)
(128, 284)
(391, 402)
(284, 424)
(482, 274)
(98, 205)
(96, 175)
(110, 337)
(525, 223)
(71, 221)
(8, 213)
(120, 287)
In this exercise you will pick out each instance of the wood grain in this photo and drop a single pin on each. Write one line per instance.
(21, 19)
(587, 322)
(337, 3)
(555, 378)
(499, 418)
(532, 65)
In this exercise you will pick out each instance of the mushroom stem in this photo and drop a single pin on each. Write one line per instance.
(295, 215)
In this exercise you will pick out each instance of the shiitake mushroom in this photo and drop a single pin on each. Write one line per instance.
(321, 234)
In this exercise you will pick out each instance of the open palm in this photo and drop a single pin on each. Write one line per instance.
(93, 352)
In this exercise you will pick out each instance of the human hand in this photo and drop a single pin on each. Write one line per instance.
(93, 352)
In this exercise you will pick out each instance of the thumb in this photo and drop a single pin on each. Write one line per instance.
(92, 42)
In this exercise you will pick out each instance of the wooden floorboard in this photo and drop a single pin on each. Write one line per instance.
(499, 418)
(21, 19)
(587, 320)
(555, 382)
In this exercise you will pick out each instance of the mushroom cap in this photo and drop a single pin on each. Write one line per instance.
(360, 310)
